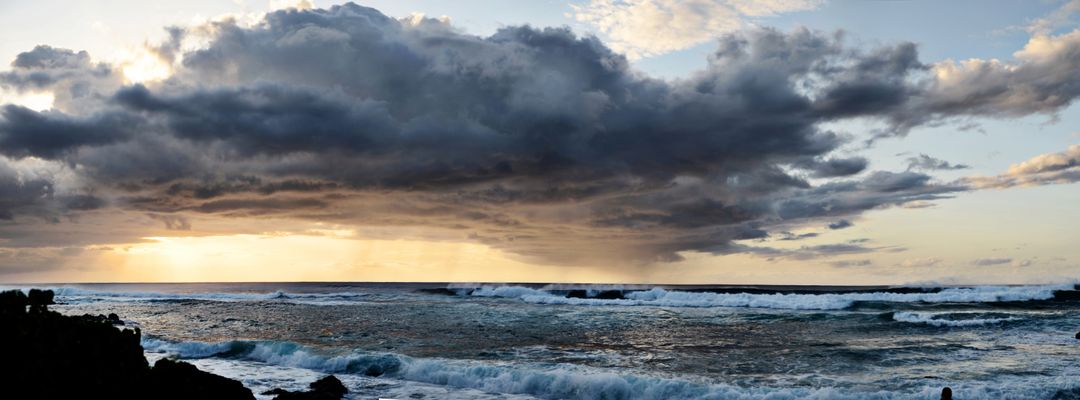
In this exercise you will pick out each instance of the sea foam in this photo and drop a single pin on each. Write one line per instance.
(563, 381)
(949, 319)
(558, 381)
(827, 301)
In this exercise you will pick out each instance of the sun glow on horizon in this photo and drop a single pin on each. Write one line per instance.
(321, 256)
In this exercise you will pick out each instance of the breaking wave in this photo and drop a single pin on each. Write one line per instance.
(558, 381)
(950, 319)
(791, 301)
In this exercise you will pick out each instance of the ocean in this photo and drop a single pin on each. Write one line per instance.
(531, 341)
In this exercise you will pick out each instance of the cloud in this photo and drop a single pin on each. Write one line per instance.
(172, 222)
(1044, 169)
(646, 28)
(920, 262)
(983, 262)
(841, 224)
(834, 167)
(1061, 16)
(788, 236)
(927, 163)
(72, 79)
(49, 134)
(534, 141)
(1041, 79)
(852, 263)
(18, 261)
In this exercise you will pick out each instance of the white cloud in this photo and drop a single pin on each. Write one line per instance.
(985, 262)
(1043, 169)
(284, 4)
(920, 262)
(646, 28)
(1040, 78)
(1048, 162)
(1062, 16)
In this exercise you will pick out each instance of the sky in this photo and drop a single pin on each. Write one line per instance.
(603, 141)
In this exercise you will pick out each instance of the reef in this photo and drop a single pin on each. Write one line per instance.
(53, 356)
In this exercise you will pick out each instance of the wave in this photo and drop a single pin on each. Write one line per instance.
(949, 319)
(792, 301)
(74, 293)
(550, 382)
(563, 381)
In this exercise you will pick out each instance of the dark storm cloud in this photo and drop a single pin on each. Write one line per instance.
(834, 167)
(878, 189)
(16, 194)
(876, 85)
(269, 119)
(24, 132)
(534, 141)
(36, 196)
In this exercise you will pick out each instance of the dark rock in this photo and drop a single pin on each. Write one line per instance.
(1067, 394)
(111, 319)
(946, 393)
(43, 348)
(51, 356)
(40, 299)
(179, 380)
(330, 385)
(13, 302)
(1078, 335)
(327, 388)
(1066, 295)
(442, 291)
(602, 294)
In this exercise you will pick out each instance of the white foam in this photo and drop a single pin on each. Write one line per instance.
(552, 381)
(937, 319)
(828, 301)
(562, 381)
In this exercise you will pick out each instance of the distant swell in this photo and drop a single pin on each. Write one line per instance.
(75, 293)
(827, 301)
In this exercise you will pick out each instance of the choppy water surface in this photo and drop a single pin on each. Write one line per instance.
(510, 342)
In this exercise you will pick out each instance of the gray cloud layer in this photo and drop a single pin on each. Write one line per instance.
(532, 140)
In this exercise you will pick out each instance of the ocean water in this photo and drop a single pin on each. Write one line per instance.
(498, 341)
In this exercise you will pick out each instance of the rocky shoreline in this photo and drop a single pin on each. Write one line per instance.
(53, 356)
